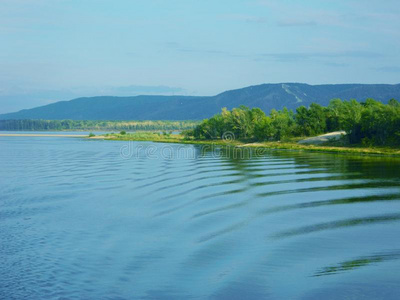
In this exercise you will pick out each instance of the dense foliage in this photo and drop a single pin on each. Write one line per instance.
(94, 125)
(368, 123)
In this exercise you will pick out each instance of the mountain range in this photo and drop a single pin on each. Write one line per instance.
(264, 96)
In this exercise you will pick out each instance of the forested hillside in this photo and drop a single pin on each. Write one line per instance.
(265, 97)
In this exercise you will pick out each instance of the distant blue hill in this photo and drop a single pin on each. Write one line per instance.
(264, 96)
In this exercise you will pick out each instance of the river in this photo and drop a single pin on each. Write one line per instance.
(93, 219)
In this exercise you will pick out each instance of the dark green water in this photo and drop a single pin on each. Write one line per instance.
(80, 220)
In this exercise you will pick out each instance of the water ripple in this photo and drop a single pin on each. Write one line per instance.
(79, 221)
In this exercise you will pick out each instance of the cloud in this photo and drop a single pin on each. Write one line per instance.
(206, 51)
(296, 23)
(351, 15)
(338, 65)
(393, 69)
(201, 50)
(301, 56)
(283, 56)
(244, 18)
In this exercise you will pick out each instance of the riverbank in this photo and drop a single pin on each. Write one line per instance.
(289, 145)
(41, 135)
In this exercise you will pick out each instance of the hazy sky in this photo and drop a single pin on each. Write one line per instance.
(60, 49)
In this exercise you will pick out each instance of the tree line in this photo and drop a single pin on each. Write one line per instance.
(368, 123)
(39, 125)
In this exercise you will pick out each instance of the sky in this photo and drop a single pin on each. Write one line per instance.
(53, 50)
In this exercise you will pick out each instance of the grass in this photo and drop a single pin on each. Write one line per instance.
(290, 144)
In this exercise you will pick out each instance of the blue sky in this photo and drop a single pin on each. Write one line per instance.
(60, 49)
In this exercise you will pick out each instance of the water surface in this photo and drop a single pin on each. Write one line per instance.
(92, 219)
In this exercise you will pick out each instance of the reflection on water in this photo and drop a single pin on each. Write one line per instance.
(358, 263)
(78, 220)
(339, 224)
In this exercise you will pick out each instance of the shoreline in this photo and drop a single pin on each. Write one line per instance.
(178, 139)
(373, 151)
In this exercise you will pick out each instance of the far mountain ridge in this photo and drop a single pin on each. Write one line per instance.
(148, 107)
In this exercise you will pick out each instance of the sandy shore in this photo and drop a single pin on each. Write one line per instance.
(316, 140)
(42, 135)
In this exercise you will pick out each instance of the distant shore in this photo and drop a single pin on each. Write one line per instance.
(42, 135)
